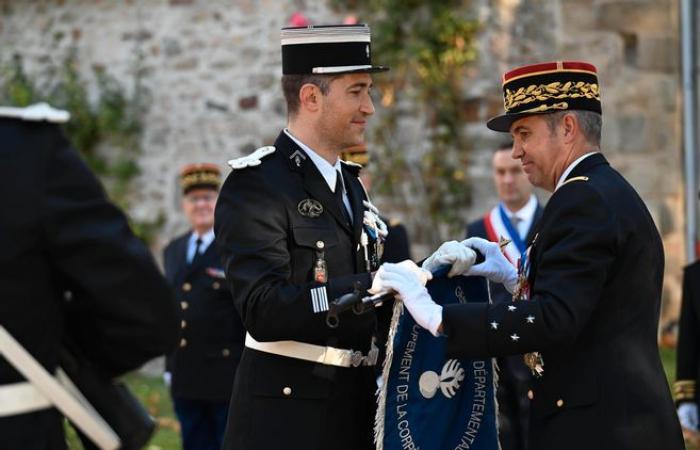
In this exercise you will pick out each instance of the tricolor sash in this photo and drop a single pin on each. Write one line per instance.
(430, 402)
(498, 225)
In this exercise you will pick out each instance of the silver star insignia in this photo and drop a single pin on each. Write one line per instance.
(494, 325)
(514, 337)
(530, 319)
(512, 308)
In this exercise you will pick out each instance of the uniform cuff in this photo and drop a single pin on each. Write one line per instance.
(465, 327)
(684, 391)
(338, 286)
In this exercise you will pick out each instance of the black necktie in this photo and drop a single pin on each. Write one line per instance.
(338, 194)
(195, 257)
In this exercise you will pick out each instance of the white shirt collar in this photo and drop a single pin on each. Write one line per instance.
(526, 212)
(328, 171)
(568, 170)
(207, 239)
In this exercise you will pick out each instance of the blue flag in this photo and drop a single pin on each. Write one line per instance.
(430, 402)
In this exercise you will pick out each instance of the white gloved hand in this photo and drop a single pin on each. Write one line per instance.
(410, 288)
(167, 378)
(688, 415)
(377, 288)
(452, 253)
(496, 266)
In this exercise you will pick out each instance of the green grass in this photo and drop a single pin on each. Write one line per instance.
(668, 358)
(155, 396)
(153, 393)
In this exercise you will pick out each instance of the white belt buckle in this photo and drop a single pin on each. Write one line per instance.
(356, 358)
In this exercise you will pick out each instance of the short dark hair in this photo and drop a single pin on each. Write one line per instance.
(291, 85)
(591, 123)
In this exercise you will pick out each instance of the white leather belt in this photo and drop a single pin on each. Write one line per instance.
(315, 353)
(20, 398)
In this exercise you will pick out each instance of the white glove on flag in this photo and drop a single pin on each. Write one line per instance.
(688, 415)
(496, 266)
(410, 287)
(452, 253)
(377, 283)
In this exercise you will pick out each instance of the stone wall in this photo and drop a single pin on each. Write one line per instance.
(212, 72)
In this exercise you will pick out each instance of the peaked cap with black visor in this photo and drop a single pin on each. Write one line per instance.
(327, 50)
(547, 88)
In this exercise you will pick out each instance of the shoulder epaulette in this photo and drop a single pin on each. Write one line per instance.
(353, 167)
(571, 180)
(254, 159)
(39, 112)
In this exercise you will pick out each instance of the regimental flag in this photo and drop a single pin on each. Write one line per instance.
(430, 402)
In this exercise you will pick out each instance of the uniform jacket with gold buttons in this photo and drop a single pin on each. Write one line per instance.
(204, 362)
(596, 275)
(270, 246)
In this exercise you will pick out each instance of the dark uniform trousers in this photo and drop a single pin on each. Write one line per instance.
(58, 234)
(688, 354)
(203, 366)
(595, 279)
(274, 222)
(514, 378)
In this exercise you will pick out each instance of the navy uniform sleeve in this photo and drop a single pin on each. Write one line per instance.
(122, 312)
(576, 254)
(687, 354)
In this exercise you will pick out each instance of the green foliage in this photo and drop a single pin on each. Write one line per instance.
(155, 396)
(105, 130)
(429, 45)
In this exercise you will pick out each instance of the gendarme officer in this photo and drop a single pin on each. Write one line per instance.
(203, 365)
(587, 298)
(297, 231)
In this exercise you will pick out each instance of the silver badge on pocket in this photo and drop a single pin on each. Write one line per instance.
(310, 208)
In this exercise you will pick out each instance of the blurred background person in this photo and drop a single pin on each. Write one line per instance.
(513, 218)
(70, 270)
(201, 369)
(687, 362)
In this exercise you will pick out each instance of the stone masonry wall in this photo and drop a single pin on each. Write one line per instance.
(212, 72)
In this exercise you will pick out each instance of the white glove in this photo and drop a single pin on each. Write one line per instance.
(415, 296)
(167, 378)
(688, 415)
(496, 266)
(377, 287)
(452, 253)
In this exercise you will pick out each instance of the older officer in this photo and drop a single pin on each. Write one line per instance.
(587, 300)
(211, 334)
(297, 231)
(60, 234)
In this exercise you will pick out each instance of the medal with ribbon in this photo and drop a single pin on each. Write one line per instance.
(533, 360)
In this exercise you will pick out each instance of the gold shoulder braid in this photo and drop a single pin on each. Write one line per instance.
(571, 180)
(555, 90)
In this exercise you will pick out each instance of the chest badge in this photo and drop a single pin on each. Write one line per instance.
(310, 208)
